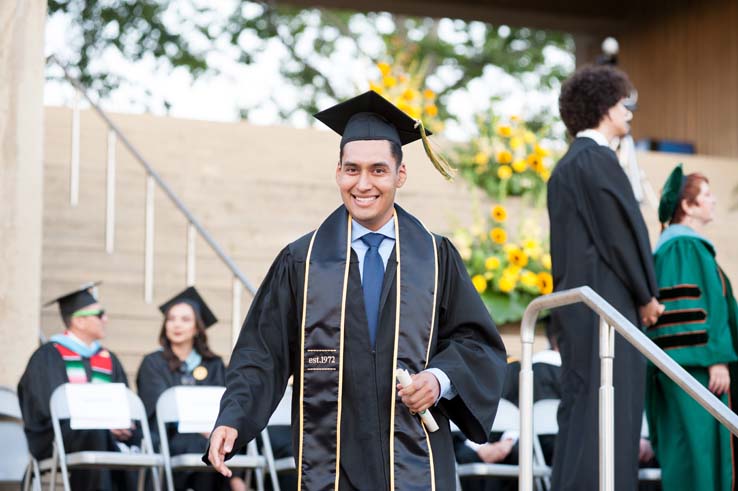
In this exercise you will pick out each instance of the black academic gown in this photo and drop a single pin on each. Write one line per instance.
(45, 372)
(154, 377)
(465, 345)
(599, 239)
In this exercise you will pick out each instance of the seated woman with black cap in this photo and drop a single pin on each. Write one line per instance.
(184, 358)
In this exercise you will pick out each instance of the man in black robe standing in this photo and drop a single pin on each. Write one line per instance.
(342, 308)
(599, 239)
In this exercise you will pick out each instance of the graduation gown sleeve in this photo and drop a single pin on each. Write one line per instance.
(153, 378)
(261, 362)
(615, 223)
(696, 327)
(469, 349)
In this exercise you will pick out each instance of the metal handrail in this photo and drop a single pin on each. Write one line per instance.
(610, 321)
(153, 177)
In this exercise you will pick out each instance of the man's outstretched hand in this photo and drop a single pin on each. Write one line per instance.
(222, 440)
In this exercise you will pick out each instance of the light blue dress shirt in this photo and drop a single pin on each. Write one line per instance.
(385, 251)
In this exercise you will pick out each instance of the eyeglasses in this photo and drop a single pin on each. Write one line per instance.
(99, 313)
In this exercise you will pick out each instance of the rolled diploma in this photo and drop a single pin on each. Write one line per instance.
(428, 420)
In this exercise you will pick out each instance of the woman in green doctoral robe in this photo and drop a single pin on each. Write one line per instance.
(699, 331)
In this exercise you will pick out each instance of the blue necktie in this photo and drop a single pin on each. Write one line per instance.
(372, 281)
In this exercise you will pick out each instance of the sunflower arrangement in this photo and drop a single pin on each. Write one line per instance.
(507, 274)
(506, 159)
(406, 90)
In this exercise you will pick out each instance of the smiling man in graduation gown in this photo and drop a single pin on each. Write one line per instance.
(370, 291)
(599, 239)
(77, 357)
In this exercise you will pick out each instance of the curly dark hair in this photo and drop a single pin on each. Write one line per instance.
(200, 342)
(588, 95)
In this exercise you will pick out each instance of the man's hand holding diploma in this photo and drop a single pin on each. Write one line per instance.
(419, 392)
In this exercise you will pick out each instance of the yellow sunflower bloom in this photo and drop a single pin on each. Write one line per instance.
(480, 283)
(409, 94)
(376, 88)
(529, 278)
(540, 151)
(535, 162)
(389, 81)
(545, 283)
(518, 257)
(504, 130)
(546, 261)
(504, 172)
(492, 263)
(545, 174)
(384, 68)
(499, 213)
(529, 137)
(516, 142)
(504, 157)
(481, 158)
(512, 272)
(498, 235)
(431, 110)
(506, 284)
(519, 166)
(429, 94)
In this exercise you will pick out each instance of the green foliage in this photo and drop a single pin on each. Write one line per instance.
(181, 34)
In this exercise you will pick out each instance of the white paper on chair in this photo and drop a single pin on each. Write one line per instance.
(198, 408)
(98, 406)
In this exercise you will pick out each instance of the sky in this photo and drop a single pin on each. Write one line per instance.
(218, 97)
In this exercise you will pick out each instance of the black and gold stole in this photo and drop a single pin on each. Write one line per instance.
(322, 338)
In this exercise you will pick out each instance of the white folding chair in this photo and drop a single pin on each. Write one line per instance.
(282, 416)
(545, 423)
(648, 473)
(16, 464)
(168, 410)
(506, 419)
(91, 459)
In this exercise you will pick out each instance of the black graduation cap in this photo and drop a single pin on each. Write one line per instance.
(191, 297)
(69, 303)
(370, 116)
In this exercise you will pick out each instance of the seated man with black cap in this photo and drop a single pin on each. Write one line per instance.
(342, 308)
(77, 357)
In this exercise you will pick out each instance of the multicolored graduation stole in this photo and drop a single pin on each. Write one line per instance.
(322, 342)
(101, 364)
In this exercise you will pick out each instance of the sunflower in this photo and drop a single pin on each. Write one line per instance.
(540, 151)
(516, 142)
(506, 284)
(529, 278)
(409, 94)
(535, 162)
(517, 257)
(431, 110)
(519, 166)
(504, 157)
(499, 213)
(384, 68)
(546, 261)
(389, 81)
(492, 263)
(498, 235)
(545, 283)
(480, 283)
(481, 158)
(376, 88)
(504, 131)
(504, 172)
(529, 137)
(429, 94)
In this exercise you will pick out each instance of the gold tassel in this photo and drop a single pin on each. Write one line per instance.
(438, 160)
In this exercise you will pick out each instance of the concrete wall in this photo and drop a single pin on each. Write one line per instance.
(255, 189)
(21, 143)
